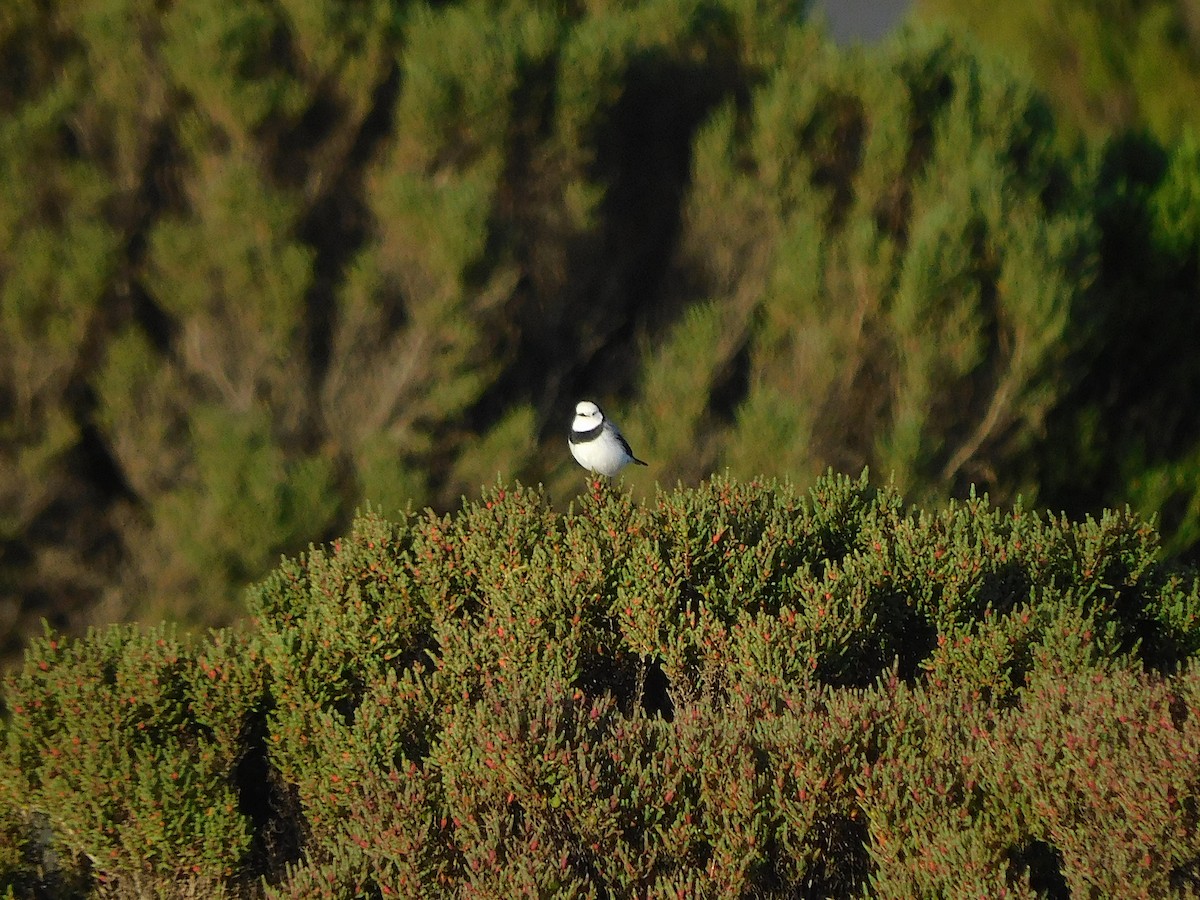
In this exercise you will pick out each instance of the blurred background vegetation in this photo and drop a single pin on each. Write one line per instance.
(265, 261)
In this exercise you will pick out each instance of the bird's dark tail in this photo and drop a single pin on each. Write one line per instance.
(639, 462)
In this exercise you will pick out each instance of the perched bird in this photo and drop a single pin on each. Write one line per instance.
(596, 443)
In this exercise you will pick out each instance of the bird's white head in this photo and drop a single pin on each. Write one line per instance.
(587, 416)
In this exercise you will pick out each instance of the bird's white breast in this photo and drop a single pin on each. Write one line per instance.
(603, 455)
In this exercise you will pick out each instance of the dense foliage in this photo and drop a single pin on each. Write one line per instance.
(733, 690)
(1107, 67)
(1124, 77)
(262, 262)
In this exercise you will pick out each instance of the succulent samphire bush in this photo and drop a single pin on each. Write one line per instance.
(736, 689)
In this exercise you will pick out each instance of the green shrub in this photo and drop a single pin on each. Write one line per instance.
(129, 744)
(737, 689)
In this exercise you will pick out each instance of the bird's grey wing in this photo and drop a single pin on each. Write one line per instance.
(625, 445)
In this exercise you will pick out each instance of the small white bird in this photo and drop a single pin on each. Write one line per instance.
(596, 443)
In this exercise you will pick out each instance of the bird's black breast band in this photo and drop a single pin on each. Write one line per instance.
(582, 437)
